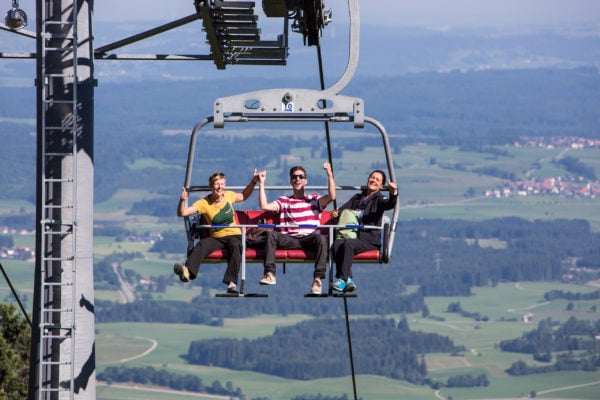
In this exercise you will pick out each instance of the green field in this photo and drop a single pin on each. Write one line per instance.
(505, 305)
(426, 191)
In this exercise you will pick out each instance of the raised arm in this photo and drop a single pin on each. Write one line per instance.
(247, 192)
(391, 201)
(393, 188)
(330, 196)
(262, 196)
(182, 210)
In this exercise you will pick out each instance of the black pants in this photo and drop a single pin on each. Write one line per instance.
(343, 254)
(233, 250)
(316, 242)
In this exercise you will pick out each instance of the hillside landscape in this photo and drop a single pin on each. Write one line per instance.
(493, 286)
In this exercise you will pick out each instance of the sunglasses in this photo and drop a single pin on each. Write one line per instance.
(294, 177)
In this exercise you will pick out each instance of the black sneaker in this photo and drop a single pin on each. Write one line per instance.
(182, 272)
(232, 288)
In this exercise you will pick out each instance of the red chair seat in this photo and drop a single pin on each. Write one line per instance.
(255, 217)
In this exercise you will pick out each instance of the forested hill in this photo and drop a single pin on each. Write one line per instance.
(131, 120)
(489, 106)
(397, 354)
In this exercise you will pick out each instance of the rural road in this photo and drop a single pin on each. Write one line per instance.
(126, 289)
(150, 349)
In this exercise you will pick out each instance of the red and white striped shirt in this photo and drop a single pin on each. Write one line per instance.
(294, 211)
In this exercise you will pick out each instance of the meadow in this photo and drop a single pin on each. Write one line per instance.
(427, 191)
(505, 305)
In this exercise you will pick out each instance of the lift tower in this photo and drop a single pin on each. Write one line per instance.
(62, 351)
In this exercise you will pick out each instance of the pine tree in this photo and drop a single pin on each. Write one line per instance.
(15, 340)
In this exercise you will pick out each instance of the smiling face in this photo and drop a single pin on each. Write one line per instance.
(217, 184)
(375, 182)
(298, 178)
(218, 187)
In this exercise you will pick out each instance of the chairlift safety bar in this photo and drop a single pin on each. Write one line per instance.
(244, 227)
(295, 118)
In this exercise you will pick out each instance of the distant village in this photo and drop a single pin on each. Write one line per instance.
(18, 252)
(554, 142)
(555, 186)
(26, 253)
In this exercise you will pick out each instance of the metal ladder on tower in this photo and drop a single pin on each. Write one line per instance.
(58, 193)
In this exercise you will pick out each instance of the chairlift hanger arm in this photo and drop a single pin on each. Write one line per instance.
(287, 103)
(156, 57)
(22, 32)
(147, 34)
(286, 117)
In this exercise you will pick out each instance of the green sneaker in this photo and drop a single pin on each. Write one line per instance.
(339, 285)
(350, 285)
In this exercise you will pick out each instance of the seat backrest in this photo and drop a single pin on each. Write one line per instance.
(255, 255)
(255, 217)
(326, 218)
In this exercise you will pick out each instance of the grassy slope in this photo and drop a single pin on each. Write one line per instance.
(427, 191)
(504, 305)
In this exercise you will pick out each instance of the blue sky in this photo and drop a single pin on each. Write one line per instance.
(429, 13)
(425, 13)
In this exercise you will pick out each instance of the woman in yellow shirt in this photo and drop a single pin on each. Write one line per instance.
(216, 208)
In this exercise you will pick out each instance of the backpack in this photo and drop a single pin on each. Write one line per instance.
(347, 217)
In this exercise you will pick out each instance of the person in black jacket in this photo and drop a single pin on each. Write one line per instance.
(369, 207)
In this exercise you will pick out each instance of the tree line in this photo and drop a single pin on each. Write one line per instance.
(561, 294)
(188, 382)
(208, 310)
(455, 307)
(576, 167)
(573, 344)
(161, 377)
(442, 257)
(380, 347)
(572, 335)
(450, 260)
(564, 362)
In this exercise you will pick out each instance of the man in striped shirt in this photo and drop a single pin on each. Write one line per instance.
(298, 209)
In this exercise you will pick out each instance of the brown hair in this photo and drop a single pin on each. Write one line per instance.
(214, 177)
(297, 168)
(382, 175)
